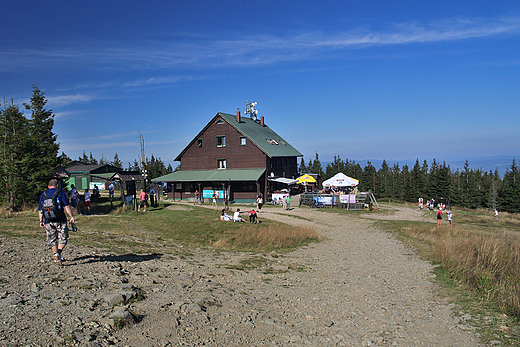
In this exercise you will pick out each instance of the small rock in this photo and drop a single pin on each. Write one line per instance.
(114, 299)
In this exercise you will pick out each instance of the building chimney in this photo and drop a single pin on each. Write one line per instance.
(238, 115)
(262, 121)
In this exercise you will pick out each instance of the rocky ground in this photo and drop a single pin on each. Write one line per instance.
(359, 287)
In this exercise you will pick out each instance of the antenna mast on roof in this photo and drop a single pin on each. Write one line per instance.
(251, 109)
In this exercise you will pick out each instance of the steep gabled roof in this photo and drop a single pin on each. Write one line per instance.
(263, 137)
(79, 167)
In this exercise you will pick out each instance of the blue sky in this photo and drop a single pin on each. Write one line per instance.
(394, 80)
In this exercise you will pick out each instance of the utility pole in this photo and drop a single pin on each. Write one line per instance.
(143, 161)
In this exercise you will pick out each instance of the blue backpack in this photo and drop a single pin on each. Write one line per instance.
(51, 207)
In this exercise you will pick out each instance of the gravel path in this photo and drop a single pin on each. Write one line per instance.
(359, 287)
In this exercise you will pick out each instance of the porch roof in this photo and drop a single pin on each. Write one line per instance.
(222, 175)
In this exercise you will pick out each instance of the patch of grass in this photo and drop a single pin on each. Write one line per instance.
(124, 230)
(139, 296)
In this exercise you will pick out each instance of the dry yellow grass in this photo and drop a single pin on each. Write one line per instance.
(488, 262)
(249, 237)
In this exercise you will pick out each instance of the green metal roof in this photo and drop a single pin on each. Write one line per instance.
(105, 176)
(264, 137)
(269, 142)
(212, 175)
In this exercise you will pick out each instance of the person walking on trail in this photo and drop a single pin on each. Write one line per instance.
(259, 203)
(288, 203)
(152, 197)
(74, 198)
(450, 217)
(87, 200)
(439, 218)
(496, 213)
(214, 199)
(53, 202)
(197, 197)
(142, 201)
(111, 189)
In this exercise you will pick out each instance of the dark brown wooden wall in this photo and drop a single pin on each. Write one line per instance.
(237, 156)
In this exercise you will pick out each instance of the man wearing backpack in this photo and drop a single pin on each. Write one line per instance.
(53, 204)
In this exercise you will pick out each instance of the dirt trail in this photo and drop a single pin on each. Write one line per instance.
(359, 287)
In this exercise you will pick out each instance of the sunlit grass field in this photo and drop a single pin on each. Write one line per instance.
(122, 230)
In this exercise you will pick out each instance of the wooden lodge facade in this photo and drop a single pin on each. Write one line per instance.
(235, 156)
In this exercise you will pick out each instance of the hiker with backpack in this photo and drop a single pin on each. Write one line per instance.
(51, 210)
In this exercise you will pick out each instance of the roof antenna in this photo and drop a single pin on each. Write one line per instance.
(251, 109)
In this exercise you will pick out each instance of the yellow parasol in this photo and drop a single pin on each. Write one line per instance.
(305, 179)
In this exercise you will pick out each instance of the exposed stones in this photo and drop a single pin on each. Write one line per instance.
(360, 287)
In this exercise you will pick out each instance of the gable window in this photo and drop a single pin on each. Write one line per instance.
(221, 141)
(243, 141)
(220, 121)
(221, 163)
(200, 143)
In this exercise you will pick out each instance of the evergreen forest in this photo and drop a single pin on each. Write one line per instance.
(470, 188)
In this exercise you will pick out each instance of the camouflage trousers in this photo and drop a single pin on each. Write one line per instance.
(57, 233)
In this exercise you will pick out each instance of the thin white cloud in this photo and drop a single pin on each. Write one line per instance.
(63, 100)
(252, 50)
(122, 135)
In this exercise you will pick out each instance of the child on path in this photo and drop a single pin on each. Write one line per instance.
(439, 218)
(142, 201)
(87, 200)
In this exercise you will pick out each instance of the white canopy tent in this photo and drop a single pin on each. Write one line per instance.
(341, 180)
(283, 180)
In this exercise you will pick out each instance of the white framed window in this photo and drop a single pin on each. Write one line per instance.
(243, 141)
(221, 163)
(221, 141)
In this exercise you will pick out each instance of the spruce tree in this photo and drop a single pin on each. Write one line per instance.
(117, 162)
(15, 162)
(43, 157)
(509, 195)
(303, 168)
(316, 166)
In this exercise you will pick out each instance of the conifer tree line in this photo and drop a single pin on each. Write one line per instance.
(29, 153)
(155, 167)
(471, 188)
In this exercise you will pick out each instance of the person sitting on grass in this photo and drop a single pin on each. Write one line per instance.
(252, 216)
(224, 216)
(236, 216)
